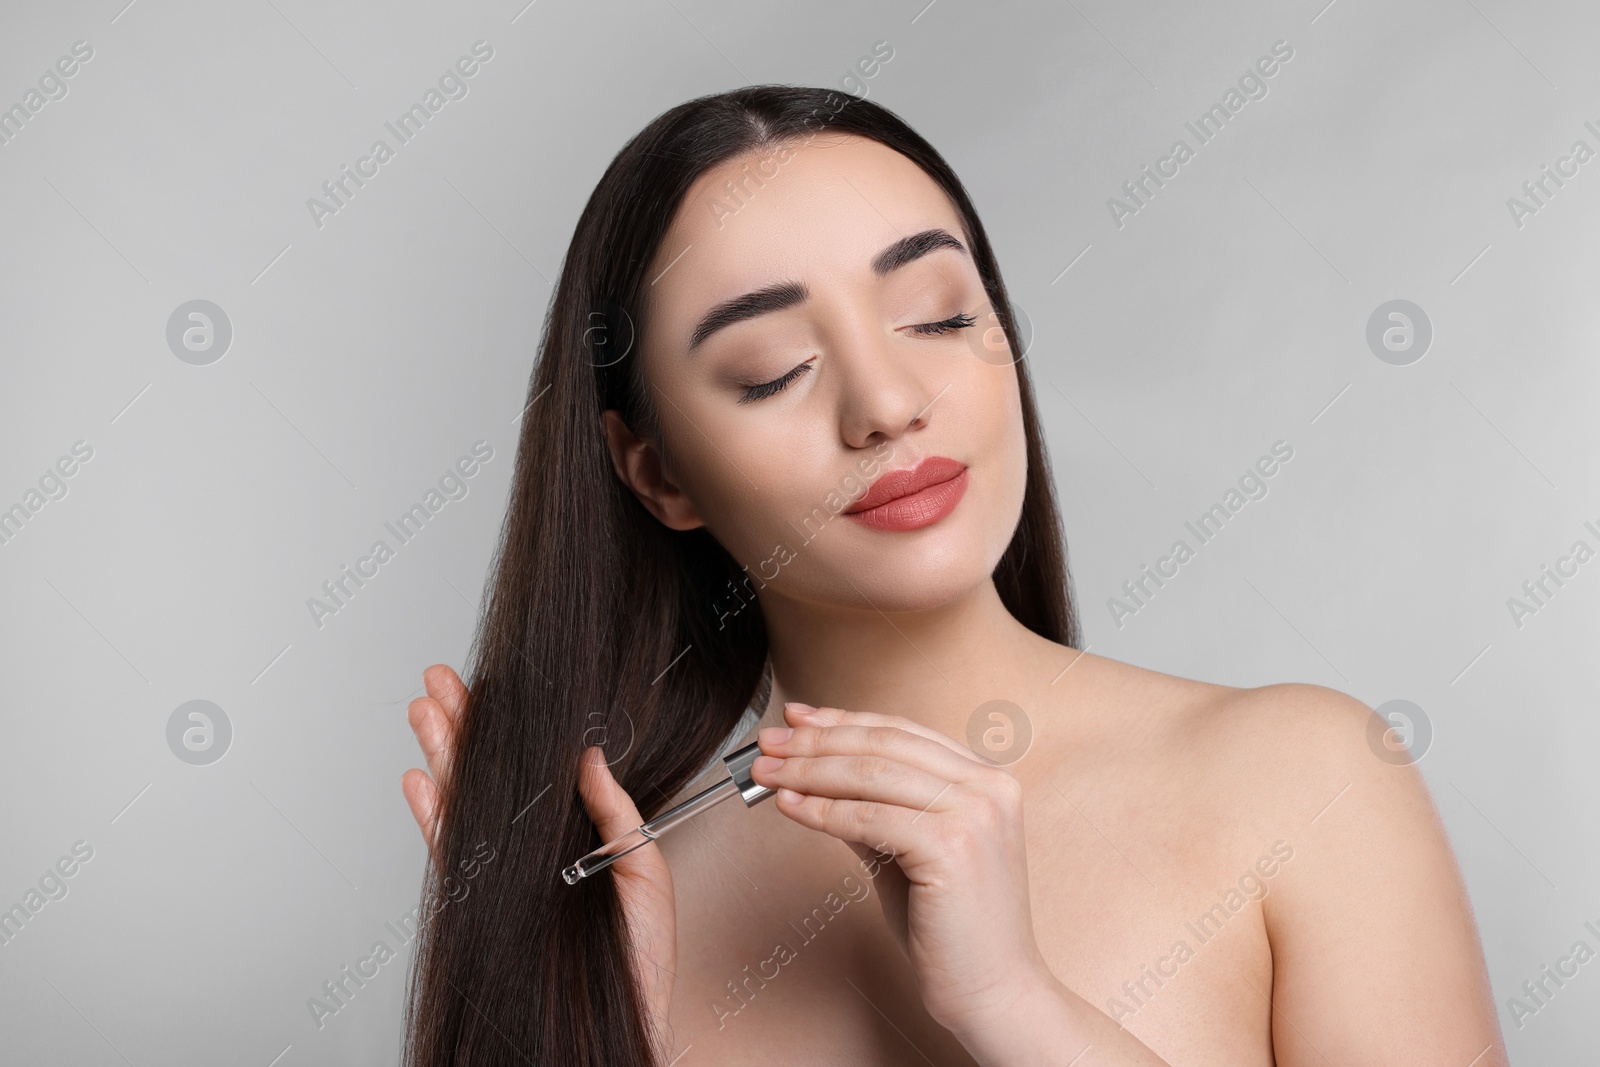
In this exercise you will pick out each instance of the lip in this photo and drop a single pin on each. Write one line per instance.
(914, 497)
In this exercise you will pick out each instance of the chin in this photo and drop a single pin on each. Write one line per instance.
(914, 570)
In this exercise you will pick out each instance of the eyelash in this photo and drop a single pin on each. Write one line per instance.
(777, 385)
(927, 329)
(954, 322)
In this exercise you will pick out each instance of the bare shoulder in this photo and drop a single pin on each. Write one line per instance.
(1292, 754)
(1294, 762)
(1361, 890)
(1284, 761)
(1321, 776)
(1310, 747)
(1292, 738)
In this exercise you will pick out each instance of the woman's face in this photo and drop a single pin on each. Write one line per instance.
(805, 336)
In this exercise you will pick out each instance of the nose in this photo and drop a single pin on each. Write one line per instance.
(883, 393)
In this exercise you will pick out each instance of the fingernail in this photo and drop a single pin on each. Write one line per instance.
(803, 709)
(775, 735)
(766, 764)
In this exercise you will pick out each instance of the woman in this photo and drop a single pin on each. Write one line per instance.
(775, 299)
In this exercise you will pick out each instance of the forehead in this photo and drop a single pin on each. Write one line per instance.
(817, 216)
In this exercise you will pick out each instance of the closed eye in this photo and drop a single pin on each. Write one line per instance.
(954, 322)
(753, 393)
(777, 385)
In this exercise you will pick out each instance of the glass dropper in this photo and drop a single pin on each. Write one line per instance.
(738, 784)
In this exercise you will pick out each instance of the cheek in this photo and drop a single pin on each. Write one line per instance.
(741, 487)
(1015, 432)
(743, 484)
(1007, 447)
(746, 519)
(992, 419)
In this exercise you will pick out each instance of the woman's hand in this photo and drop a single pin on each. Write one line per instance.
(956, 891)
(434, 719)
(643, 880)
(644, 883)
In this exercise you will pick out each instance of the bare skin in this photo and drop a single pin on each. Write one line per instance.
(1174, 872)
(1363, 940)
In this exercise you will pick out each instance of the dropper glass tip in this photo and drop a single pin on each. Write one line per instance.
(572, 874)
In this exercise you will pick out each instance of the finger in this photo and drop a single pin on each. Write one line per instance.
(886, 828)
(435, 735)
(610, 808)
(423, 798)
(796, 715)
(891, 742)
(873, 778)
(445, 686)
(878, 867)
(613, 813)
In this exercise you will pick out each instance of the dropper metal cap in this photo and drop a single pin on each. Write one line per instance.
(739, 762)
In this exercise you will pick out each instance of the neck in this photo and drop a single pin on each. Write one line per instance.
(935, 666)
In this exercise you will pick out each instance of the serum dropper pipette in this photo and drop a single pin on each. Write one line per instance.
(738, 783)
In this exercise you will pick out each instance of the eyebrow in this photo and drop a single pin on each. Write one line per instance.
(788, 294)
(772, 298)
(914, 247)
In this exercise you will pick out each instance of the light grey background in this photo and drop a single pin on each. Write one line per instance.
(372, 352)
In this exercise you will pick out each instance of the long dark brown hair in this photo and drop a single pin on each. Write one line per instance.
(591, 599)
